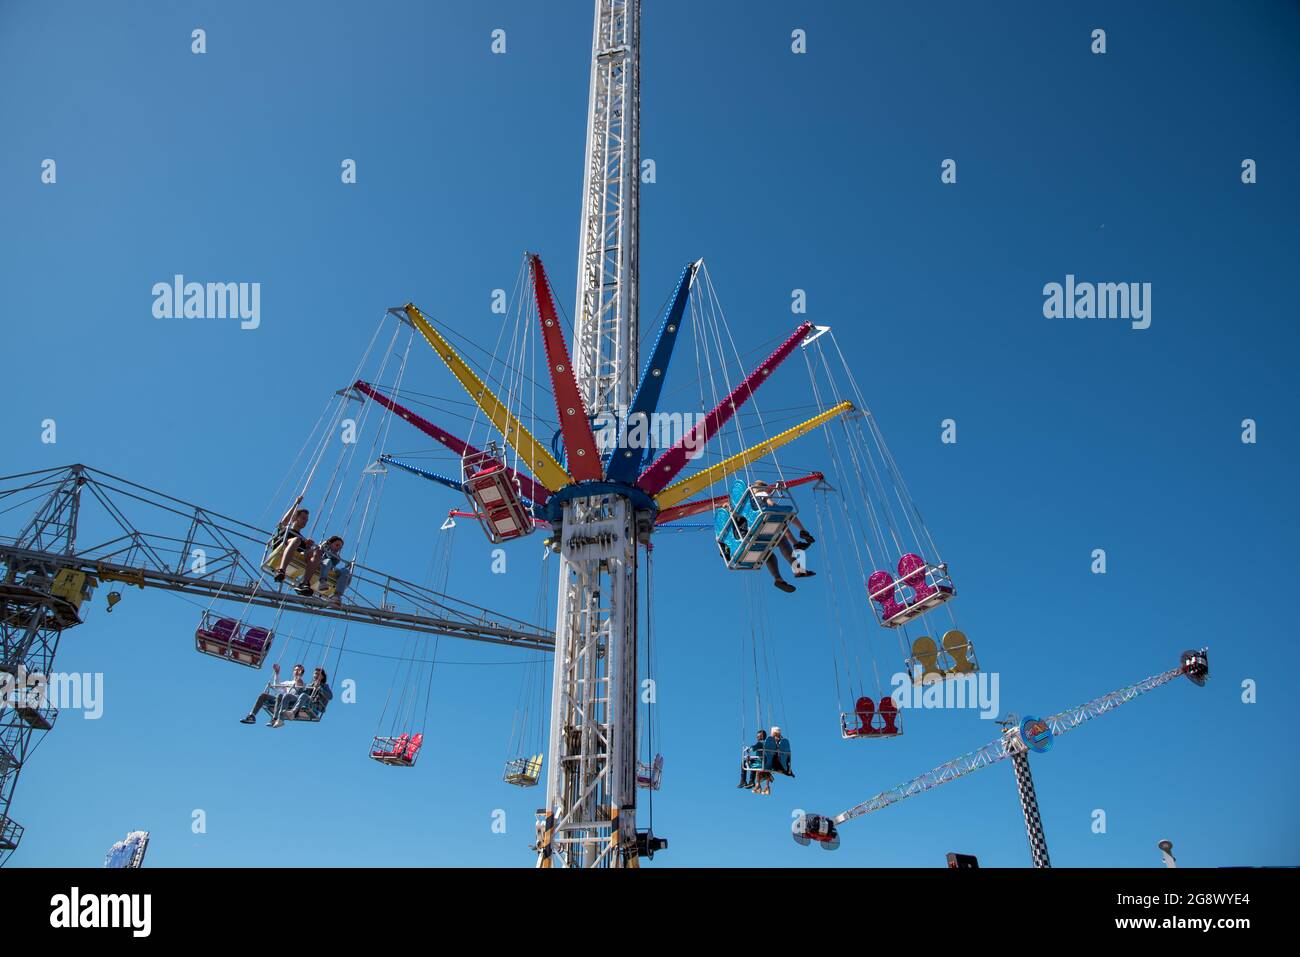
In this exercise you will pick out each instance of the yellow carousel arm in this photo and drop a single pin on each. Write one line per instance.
(688, 486)
(535, 455)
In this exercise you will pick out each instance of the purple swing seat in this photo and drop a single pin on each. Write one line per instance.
(255, 638)
(223, 638)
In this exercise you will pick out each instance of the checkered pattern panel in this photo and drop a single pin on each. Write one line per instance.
(1029, 804)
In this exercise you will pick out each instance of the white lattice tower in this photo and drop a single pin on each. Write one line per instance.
(590, 815)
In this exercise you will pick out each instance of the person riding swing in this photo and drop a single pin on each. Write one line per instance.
(787, 545)
(288, 533)
(313, 698)
(275, 695)
(752, 755)
(323, 560)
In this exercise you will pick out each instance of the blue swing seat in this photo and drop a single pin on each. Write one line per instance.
(309, 705)
(752, 525)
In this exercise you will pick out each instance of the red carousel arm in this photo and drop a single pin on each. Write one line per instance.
(687, 509)
(527, 487)
(665, 468)
(581, 455)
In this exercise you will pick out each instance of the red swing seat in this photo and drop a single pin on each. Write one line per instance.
(866, 720)
(495, 496)
(398, 752)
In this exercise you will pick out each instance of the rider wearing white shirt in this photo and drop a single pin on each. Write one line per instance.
(273, 698)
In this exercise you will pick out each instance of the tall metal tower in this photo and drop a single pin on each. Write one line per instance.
(590, 814)
(38, 599)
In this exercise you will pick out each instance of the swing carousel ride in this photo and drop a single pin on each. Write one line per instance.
(592, 460)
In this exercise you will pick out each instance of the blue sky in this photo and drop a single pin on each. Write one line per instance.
(817, 171)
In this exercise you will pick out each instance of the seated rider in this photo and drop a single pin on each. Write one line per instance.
(289, 530)
(763, 777)
(314, 697)
(748, 775)
(273, 698)
(806, 539)
(787, 545)
(780, 753)
(324, 559)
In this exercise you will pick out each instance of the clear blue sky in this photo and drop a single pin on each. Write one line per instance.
(819, 172)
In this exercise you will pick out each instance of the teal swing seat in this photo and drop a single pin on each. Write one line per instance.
(752, 524)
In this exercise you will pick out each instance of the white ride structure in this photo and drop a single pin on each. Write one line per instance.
(590, 815)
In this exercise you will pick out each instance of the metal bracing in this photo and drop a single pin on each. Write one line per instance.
(195, 551)
(605, 347)
(1006, 745)
(47, 577)
(590, 815)
(32, 619)
(54, 526)
(30, 627)
(592, 744)
(1071, 718)
(1012, 744)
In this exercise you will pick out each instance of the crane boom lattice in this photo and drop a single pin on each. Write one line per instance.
(1017, 741)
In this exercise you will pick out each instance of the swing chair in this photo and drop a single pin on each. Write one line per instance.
(929, 585)
(309, 705)
(874, 713)
(761, 760)
(866, 720)
(765, 760)
(232, 638)
(503, 498)
(229, 639)
(335, 509)
(524, 772)
(300, 704)
(528, 729)
(649, 770)
(402, 750)
(953, 657)
(884, 521)
(753, 523)
(650, 775)
(323, 586)
(494, 495)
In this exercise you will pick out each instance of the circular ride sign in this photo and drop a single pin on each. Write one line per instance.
(1036, 734)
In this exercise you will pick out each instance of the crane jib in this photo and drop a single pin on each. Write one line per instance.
(1194, 665)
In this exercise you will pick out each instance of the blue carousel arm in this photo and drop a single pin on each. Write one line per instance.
(450, 483)
(623, 465)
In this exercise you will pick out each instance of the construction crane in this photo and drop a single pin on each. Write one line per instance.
(1021, 735)
(47, 575)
